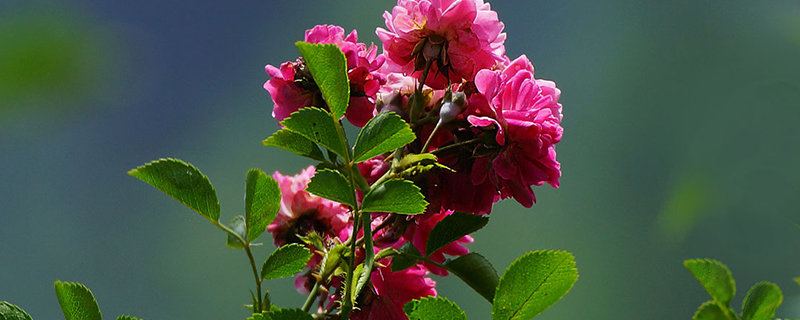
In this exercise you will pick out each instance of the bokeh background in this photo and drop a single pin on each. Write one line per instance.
(681, 142)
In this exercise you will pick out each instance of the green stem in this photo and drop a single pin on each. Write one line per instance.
(259, 298)
(455, 145)
(312, 296)
(256, 309)
(430, 137)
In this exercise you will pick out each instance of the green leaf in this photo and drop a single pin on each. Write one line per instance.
(433, 308)
(282, 314)
(452, 228)
(123, 317)
(332, 185)
(395, 195)
(329, 69)
(183, 182)
(285, 261)
(383, 133)
(476, 272)
(295, 143)
(77, 301)
(533, 283)
(262, 200)
(797, 280)
(320, 127)
(710, 311)
(715, 278)
(11, 312)
(237, 225)
(408, 257)
(761, 301)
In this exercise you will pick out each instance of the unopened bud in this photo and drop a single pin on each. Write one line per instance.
(390, 102)
(452, 108)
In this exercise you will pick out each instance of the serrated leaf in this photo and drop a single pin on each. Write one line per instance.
(288, 314)
(408, 257)
(761, 301)
(715, 278)
(285, 261)
(123, 317)
(288, 140)
(332, 185)
(237, 225)
(77, 301)
(433, 308)
(533, 283)
(452, 228)
(710, 311)
(397, 196)
(476, 272)
(182, 181)
(329, 69)
(11, 312)
(262, 201)
(318, 126)
(383, 133)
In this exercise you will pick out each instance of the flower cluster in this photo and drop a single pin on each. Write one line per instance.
(490, 123)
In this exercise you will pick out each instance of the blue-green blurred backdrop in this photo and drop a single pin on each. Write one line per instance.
(681, 141)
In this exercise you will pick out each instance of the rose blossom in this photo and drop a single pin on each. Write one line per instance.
(292, 87)
(527, 116)
(302, 212)
(390, 291)
(463, 36)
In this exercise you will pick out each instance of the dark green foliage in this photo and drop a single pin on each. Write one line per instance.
(452, 228)
(476, 272)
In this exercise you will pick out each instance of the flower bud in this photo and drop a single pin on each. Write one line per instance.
(452, 108)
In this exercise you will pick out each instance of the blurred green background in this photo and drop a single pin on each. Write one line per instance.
(681, 142)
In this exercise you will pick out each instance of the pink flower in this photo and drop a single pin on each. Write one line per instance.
(292, 86)
(390, 291)
(302, 212)
(463, 36)
(527, 116)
